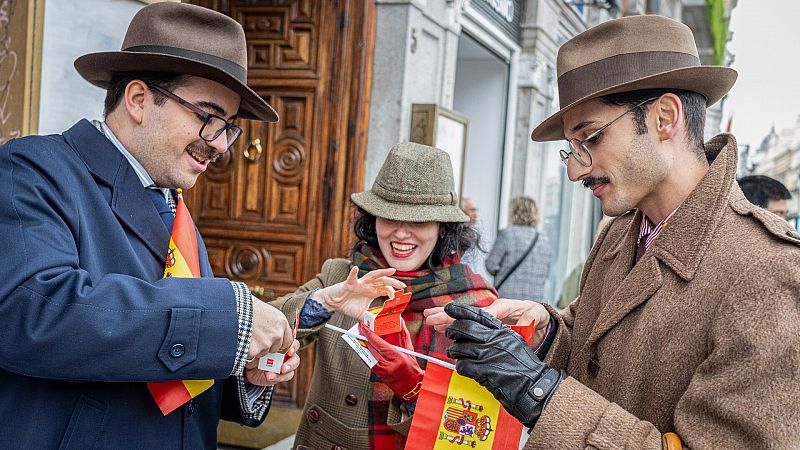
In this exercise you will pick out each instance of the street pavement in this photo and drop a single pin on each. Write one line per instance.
(285, 444)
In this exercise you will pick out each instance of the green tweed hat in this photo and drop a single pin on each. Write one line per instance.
(415, 184)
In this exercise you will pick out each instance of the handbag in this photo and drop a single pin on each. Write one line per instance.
(519, 261)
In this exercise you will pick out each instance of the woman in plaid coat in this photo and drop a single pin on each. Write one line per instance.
(411, 233)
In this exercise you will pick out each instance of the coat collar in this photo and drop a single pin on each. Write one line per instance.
(684, 242)
(680, 247)
(129, 200)
(686, 239)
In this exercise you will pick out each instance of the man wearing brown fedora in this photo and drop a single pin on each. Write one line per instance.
(687, 328)
(85, 220)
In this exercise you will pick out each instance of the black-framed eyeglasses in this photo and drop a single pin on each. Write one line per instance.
(213, 125)
(578, 147)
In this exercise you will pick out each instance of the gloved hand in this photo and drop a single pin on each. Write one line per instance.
(501, 361)
(397, 370)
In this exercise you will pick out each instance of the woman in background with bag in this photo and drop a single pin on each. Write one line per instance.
(520, 257)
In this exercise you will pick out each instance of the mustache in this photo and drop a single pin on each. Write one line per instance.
(205, 151)
(589, 182)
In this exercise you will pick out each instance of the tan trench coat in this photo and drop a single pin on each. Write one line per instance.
(336, 409)
(700, 338)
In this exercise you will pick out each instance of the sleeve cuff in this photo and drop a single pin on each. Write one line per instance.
(313, 313)
(254, 401)
(593, 421)
(549, 337)
(244, 309)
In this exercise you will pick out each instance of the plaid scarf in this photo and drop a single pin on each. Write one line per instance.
(452, 282)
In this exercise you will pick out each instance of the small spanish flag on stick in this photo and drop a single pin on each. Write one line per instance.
(454, 411)
(182, 262)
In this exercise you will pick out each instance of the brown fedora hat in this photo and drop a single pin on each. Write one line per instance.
(628, 54)
(183, 39)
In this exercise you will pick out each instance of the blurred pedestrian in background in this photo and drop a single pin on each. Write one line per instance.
(470, 208)
(474, 257)
(520, 256)
(767, 193)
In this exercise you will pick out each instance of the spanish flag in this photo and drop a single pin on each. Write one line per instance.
(182, 262)
(454, 411)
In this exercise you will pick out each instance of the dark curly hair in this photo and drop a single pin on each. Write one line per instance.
(454, 237)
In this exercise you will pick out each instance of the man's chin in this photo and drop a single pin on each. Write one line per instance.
(184, 183)
(613, 209)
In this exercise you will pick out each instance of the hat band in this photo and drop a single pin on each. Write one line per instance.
(238, 72)
(414, 198)
(586, 80)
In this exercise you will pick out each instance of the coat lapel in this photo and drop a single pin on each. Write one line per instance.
(679, 248)
(133, 206)
(129, 200)
(625, 288)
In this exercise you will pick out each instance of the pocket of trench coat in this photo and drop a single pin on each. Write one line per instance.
(85, 425)
(336, 432)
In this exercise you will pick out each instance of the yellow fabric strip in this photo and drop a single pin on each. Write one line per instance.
(197, 387)
(176, 263)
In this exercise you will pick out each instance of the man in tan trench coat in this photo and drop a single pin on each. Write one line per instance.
(686, 332)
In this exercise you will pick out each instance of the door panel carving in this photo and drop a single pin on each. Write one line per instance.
(276, 206)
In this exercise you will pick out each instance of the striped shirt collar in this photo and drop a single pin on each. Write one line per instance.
(652, 231)
(144, 177)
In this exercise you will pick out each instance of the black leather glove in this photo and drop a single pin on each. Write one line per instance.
(501, 361)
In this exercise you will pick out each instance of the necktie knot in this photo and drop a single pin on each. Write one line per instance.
(162, 207)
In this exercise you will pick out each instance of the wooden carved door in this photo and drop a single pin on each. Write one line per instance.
(277, 206)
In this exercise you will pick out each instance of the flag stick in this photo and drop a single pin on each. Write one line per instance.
(400, 349)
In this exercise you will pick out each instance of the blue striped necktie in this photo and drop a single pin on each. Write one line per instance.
(160, 202)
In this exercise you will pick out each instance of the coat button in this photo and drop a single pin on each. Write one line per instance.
(351, 399)
(190, 407)
(793, 234)
(313, 415)
(176, 351)
(336, 447)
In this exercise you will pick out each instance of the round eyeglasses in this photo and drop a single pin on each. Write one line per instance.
(213, 125)
(578, 148)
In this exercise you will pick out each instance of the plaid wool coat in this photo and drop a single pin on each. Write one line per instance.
(701, 337)
(336, 409)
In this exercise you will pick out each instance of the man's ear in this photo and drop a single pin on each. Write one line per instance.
(137, 98)
(669, 116)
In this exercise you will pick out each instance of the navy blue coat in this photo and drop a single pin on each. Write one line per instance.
(87, 318)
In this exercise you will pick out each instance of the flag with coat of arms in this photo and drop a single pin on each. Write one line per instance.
(455, 412)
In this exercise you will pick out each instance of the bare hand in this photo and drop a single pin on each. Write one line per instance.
(353, 296)
(437, 318)
(521, 312)
(517, 312)
(271, 330)
(263, 378)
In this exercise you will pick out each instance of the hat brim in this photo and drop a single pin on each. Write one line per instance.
(713, 82)
(98, 68)
(407, 212)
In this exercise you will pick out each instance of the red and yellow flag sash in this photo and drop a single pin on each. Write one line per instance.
(454, 411)
(182, 262)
